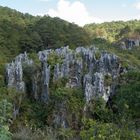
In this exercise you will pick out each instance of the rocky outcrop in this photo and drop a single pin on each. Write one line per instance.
(88, 68)
(14, 72)
(14, 77)
(82, 67)
(130, 43)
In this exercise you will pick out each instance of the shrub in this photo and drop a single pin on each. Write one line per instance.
(94, 130)
(5, 133)
(107, 80)
(128, 95)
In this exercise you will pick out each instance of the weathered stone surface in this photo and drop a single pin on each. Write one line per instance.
(45, 82)
(84, 67)
(14, 72)
(80, 66)
(130, 43)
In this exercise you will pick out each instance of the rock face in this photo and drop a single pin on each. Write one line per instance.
(130, 43)
(14, 77)
(14, 72)
(82, 67)
(88, 68)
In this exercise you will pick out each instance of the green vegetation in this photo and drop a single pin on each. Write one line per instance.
(116, 120)
(54, 59)
(23, 32)
(128, 58)
(112, 31)
(128, 95)
(101, 131)
(108, 80)
(5, 115)
(57, 33)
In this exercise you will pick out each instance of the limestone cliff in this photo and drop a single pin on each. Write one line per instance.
(86, 67)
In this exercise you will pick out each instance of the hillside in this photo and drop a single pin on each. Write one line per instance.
(112, 31)
(59, 81)
(112, 36)
(23, 32)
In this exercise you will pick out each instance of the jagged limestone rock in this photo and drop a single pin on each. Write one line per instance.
(60, 116)
(94, 87)
(14, 72)
(130, 43)
(84, 67)
(81, 66)
(45, 82)
(14, 77)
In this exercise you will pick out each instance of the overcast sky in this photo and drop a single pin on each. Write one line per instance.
(79, 11)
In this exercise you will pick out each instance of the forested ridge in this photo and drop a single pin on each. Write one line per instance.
(23, 32)
(115, 30)
(118, 119)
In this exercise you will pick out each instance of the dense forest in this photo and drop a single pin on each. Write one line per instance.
(113, 31)
(118, 119)
(27, 33)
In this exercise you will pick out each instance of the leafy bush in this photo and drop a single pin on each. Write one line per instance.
(5, 133)
(5, 116)
(54, 59)
(5, 111)
(94, 130)
(128, 95)
(108, 80)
